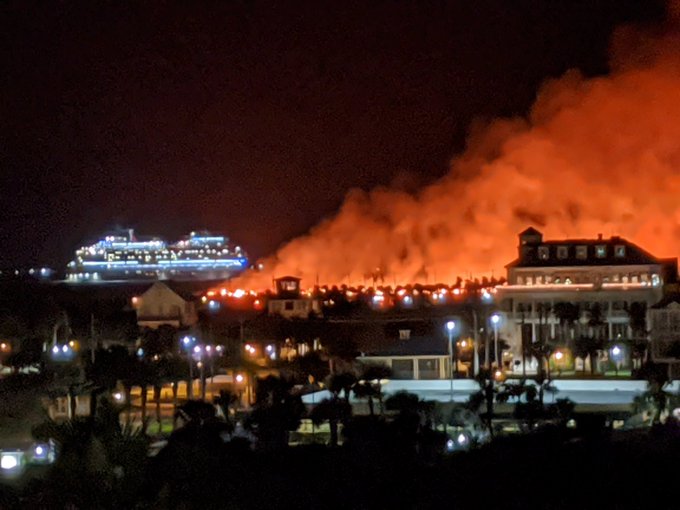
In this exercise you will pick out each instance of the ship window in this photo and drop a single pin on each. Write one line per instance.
(620, 251)
(562, 252)
(601, 251)
(582, 252)
(543, 252)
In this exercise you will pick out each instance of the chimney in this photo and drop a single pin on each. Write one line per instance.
(599, 237)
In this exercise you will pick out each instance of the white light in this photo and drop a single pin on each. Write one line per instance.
(462, 439)
(118, 396)
(270, 348)
(616, 351)
(140, 352)
(64, 348)
(450, 325)
(39, 450)
(559, 355)
(239, 378)
(197, 349)
(186, 340)
(495, 318)
(208, 348)
(9, 461)
(450, 445)
(55, 349)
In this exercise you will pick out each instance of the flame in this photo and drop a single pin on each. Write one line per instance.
(593, 155)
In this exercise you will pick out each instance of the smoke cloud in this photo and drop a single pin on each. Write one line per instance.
(599, 155)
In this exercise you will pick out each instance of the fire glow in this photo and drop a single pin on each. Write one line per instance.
(593, 155)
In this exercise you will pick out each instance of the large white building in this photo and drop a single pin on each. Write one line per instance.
(555, 288)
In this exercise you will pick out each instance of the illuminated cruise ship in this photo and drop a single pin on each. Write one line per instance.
(198, 256)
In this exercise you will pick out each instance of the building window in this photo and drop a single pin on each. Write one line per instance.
(539, 280)
(656, 280)
(601, 251)
(520, 280)
(582, 252)
(567, 280)
(562, 252)
(548, 279)
(620, 251)
(543, 252)
(428, 368)
(404, 334)
(557, 279)
(402, 368)
(288, 305)
(530, 280)
(634, 278)
(624, 278)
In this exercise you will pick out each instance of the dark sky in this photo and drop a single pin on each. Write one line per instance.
(255, 118)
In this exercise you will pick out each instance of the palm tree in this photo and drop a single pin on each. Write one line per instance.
(333, 410)
(567, 314)
(101, 464)
(276, 411)
(369, 385)
(596, 323)
(637, 317)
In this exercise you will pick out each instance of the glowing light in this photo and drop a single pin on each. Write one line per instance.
(64, 348)
(239, 293)
(450, 325)
(186, 340)
(239, 378)
(118, 396)
(616, 351)
(39, 450)
(462, 439)
(135, 300)
(197, 349)
(559, 355)
(9, 460)
(495, 319)
(55, 349)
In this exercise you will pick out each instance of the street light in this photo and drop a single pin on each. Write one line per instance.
(617, 353)
(450, 326)
(495, 320)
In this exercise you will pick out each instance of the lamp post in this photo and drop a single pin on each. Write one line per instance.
(450, 326)
(495, 319)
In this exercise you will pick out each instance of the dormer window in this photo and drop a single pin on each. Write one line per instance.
(562, 252)
(543, 252)
(582, 252)
(620, 251)
(601, 251)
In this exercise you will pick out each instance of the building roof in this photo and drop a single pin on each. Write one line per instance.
(414, 346)
(617, 252)
(530, 231)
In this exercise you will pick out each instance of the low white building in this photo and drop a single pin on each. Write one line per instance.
(290, 303)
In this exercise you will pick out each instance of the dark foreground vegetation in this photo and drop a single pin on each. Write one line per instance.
(104, 465)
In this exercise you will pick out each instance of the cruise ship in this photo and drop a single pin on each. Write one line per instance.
(123, 256)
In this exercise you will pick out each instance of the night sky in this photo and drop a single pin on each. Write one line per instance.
(256, 118)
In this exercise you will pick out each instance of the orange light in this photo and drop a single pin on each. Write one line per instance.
(135, 300)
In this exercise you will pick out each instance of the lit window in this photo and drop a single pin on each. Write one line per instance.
(562, 252)
(655, 280)
(582, 252)
(634, 278)
(624, 278)
(543, 252)
(539, 280)
(620, 251)
(557, 279)
(601, 251)
(548, 279)
(567, 281)
(530, 280)
(520, 280)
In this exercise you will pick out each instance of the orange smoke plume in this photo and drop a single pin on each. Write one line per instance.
(598, 155)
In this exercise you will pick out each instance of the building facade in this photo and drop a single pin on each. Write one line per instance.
(160, 305)
(561, 290)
